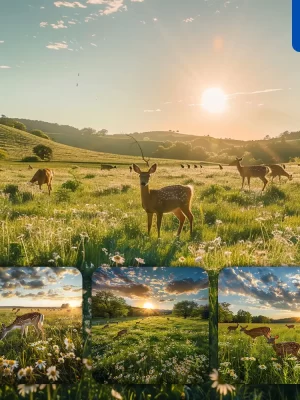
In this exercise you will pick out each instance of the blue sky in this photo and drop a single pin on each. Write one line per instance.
(162, 287)
(144, 64)
(273, 292)
(40, 287)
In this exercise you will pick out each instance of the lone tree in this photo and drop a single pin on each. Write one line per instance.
(107, 305)
(184, 308)
(44, 152)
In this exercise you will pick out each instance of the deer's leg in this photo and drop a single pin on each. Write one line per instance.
(265, 181)
(187, 212)
(150, 218)
(158, 222)
(181, 217)
(248, 179)
(243, 180)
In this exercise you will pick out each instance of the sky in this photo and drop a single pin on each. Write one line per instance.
(40, 287)
(159, 287)
(272, 292)
(144, 65)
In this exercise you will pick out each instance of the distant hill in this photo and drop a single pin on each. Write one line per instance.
(175, 145)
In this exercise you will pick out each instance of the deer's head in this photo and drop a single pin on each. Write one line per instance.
(290, 177)
(271, 339)
(236, 162)
(144, 176)
(243, 328)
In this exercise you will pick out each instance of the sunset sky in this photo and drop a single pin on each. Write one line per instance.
(40, 287)
(153, 287)
(144, 65)
(273, 292)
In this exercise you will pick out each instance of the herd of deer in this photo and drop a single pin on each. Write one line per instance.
(281, 349)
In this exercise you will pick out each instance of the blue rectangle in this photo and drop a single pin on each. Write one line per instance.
(296, 25)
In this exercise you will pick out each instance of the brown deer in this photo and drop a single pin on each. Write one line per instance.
(107, 167)
(182, 166)
(284, 348)
(220, 166)
(290, 326)
(130, 168)
(188, 165)
(251, 171)
(232, 328)
(255, 332)
(277, 170)
(30, 167)
(23, 322)
(43, 176)
(195, 166)
(121, 333)
(176, 199)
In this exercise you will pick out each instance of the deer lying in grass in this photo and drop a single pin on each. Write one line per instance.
(284, 348)
(43, 176)
(277, 170)
(256, 332)
(23, 322)
(176, 199)
(251, 171)
(232, 328)
(121, 333)
(290, 326)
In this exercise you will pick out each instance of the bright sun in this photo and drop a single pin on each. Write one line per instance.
(214, 100)
(148, 305)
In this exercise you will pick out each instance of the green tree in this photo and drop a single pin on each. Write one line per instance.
(184, 308)
(225, 315)
(243, 316)
(20, 126)
(107, 305)
(39, 133)
(44, 152)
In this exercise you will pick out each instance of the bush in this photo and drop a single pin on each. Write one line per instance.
(214, 192)
(31, 159)
(3, 154)
(71, 185)
(39, 133)
(113, 190)
(20, 126)
(63, 195)
(273, 194)
(10, 189)
(89, 176)
(44, 152)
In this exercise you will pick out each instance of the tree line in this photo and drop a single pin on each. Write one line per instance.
(242, 316)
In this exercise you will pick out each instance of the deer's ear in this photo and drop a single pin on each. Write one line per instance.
(136, 168)
(240, 159)
(152, 169)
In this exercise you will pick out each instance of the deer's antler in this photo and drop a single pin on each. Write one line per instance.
(141, 150)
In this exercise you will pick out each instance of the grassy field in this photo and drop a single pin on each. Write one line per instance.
(22, 354)
(99, 214)
(243, 361)
(154, 351)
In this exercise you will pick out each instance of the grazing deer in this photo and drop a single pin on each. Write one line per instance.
(232, 328)
(43, 176)
(252, 171)
(188, 165)
(277, 170)
(284, 348)
(182, 166)
(176, 199)
(121, 333)
(220, 166)
(255, 332)
(290, 326)
(195, 166)
(30, 167)
(23, 322)
(107, 167)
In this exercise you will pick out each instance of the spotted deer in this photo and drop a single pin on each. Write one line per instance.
(277, 170)
(23, 322)
(121, 333)
(290, 326)
(251, 171)
(232, 328)
(256, 332)
(43, 176)
(176, 199)
(284, 348)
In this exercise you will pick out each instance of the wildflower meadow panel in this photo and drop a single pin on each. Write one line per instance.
(41, 332)
(150, 325)
(259, 330)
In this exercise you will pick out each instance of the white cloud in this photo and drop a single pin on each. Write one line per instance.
(59, 25)
(188, 20)
(112, 6)
(43, 24)
(76, 4)
(57, 46)
(4, 67)
(137, 1)
(151, 111)
(255, 92)
(72, 22)
(1, 41)
(93, 44)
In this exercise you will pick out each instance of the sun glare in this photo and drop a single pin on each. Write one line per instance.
(148, 305)
(214, 100)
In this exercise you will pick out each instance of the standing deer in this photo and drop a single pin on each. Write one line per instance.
(255, 332)
(43, 176)
(182, 166)
(277, 170)
(284, 348)
(252, 171)
(290, 326)
(195, 166)
(23, 322)
(232, 328)
(176, 199)
(188, 165)
(121, 333)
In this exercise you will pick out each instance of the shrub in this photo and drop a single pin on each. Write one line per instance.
(10, 189)
(31, 159)
(44, 152)
(273, 194)
(89, 176)
(71, 185)
(63, 195)
(3, 154)
(39, 133)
